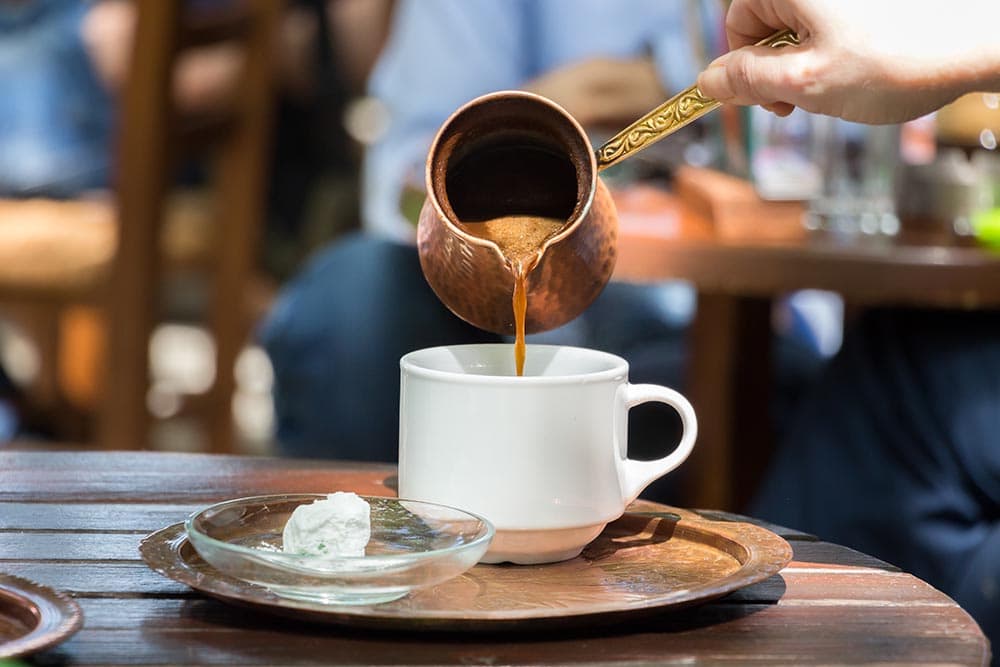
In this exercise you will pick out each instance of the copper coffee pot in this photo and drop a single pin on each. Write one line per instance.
(517, 153)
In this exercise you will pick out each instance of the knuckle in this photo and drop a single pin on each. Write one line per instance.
(742, 76)
(799, 75)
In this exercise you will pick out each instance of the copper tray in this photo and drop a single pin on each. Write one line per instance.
(33, 617)
(653, 558)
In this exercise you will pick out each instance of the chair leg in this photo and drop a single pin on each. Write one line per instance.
(241, 212)
(146, 153)
(228, 331)
(124, 420)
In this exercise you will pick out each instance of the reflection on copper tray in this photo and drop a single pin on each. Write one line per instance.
(33, 617)
(653, 558)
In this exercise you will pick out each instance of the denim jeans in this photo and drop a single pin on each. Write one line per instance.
(897, 453)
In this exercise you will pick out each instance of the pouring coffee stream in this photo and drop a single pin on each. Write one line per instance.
(513, 193)
(520, 239)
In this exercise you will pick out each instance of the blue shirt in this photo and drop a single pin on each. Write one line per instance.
(442, 53)
(55, 118)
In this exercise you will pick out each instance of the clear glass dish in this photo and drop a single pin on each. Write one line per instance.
(413, 544)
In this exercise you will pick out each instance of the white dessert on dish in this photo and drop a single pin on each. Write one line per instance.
(339, 525)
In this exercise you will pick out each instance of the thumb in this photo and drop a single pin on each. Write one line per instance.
(759, 75)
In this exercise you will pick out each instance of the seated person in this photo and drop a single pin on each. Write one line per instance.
(336, 334)
(896, 454)
(897, 451)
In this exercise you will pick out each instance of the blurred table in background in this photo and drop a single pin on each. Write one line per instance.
(741, 254)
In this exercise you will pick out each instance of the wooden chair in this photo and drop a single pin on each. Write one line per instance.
(153, 138)
(121, 263)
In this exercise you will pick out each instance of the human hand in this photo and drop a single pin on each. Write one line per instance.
(602, 90)
(862, 60)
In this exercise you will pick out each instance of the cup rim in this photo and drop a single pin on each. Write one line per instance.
(617, 370)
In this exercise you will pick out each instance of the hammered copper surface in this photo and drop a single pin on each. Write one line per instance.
(653, 558)
(529, 157)
(33, 617)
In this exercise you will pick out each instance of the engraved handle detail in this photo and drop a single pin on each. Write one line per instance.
(680, 110)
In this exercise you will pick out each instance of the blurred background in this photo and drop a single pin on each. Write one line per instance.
(197, 151)
(173, 174)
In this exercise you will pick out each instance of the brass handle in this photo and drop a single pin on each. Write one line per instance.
(681, 109)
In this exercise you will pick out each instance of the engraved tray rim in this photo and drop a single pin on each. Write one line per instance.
(759, 553)
(56, 616)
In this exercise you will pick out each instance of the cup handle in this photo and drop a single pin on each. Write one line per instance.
(637, 475)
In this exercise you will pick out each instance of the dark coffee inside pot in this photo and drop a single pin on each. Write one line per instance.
(509, 238)
(517, 195)
(512, 179)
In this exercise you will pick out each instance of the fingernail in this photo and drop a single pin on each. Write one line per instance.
(781, 109)
(714, 81)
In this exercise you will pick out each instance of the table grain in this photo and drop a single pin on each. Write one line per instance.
(74, 520)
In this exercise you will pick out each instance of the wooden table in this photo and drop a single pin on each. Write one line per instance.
(73, 521)
(737, 280)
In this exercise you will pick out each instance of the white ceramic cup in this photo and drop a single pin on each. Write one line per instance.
(544, 457)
